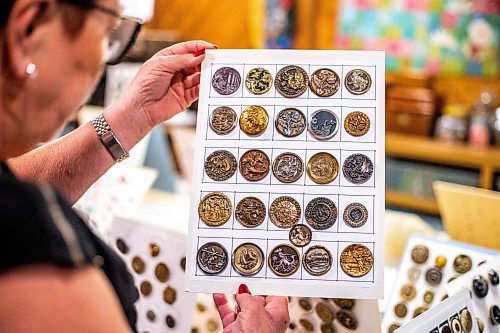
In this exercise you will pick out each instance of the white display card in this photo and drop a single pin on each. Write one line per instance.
(481, 305)
(444, 314)
(134, 239)
(342, 192)
(411, 273)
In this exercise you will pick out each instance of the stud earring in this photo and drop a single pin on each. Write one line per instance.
(31, 69)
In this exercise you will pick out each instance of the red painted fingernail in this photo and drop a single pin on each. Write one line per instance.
(243, 289)
(199, 53)
(216, 47)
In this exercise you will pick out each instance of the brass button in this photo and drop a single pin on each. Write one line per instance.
(400, 310)
(440, 261)
(138, 265)
(356, 260)
(462, 263)
(259, 81)
(324, 82)
(146, 288)
(288, 168)
(284, 260)
(317, 260)
(169, 295)
(212, 258)
(215, 209)
(250, 212)
(358, 82)
(323, 168)
(321, 213)
(408, 292)
(324, 312)
(254, 120)
(223, 120)
(285, 212)
(220, 165)
(248, 259)
(291, 81)
(162, 272)
(357, 123)
(420, 254)
(347, 319)
(254, 165)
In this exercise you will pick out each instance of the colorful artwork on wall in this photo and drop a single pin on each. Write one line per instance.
(429, 36)
(279, 23)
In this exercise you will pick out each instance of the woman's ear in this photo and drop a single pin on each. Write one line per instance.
(24, 20)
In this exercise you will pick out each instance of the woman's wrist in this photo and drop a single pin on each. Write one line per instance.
(129, 126)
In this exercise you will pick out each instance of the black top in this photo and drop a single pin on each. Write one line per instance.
(38, 226)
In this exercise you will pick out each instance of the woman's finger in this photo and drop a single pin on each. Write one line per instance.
(190, 47)
(226, 314)
(191, 80)
(177, 63)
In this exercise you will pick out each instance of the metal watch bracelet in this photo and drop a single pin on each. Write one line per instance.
(108, 138)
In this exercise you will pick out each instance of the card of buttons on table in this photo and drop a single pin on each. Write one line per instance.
(427, 266)
(288, 186)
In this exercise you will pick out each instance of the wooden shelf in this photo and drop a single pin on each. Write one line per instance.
(412, 202)
(428, 150)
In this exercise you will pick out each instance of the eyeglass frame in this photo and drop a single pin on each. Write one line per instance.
(108, 11)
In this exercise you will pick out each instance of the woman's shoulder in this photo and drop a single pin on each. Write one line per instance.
(38, 225)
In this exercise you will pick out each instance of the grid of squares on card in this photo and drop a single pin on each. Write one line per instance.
(289, 145)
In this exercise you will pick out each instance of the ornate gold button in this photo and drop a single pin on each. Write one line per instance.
(254, 120)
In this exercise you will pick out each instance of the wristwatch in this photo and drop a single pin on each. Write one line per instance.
(108, 138)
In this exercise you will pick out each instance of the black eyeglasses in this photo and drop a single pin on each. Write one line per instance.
(122, 37)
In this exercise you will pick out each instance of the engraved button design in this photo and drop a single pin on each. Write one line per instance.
(357, 123)
(323, 125)
(220, 165)
(288, 167)
(317, 260)
(321, 213)
(356, 260)
(226, 80)
(300, 235)
(223, 120)
(324, 82)
(291, 81)
(254, 165)
(248, 259)
(215, 209)
(358, 82)
(285, 212)
(357, 169)
(259, 80)
(250, 212)
(323, 168)
(254, 120)
(284, 260)
(290, 122)
(212, 258)
(355, 215)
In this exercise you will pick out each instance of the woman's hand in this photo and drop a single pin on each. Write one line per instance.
(165, 85)
(255, 314)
